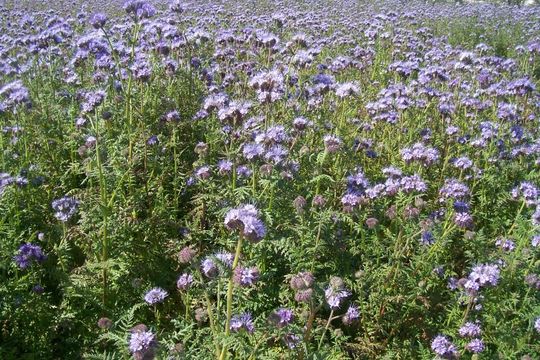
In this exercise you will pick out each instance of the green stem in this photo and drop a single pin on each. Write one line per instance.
(330, 318)
(230, 294)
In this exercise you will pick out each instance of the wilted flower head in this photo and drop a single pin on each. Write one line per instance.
(104, 323)
(65, 208)
(302, 280)
(303, 295)
(155, 296)
(318, 201)
(186, 255)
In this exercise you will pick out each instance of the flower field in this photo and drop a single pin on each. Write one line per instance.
(269, 180)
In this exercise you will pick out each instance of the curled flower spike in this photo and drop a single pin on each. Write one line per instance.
(246, 220)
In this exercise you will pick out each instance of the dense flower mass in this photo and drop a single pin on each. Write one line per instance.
(482, 275)
(388, 153)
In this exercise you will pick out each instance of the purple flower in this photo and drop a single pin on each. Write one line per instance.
(357, 183)
(535, 218)
(347, 89)
(243, 171)
(65, 208)
(537, 324)
(452, 283)
(224, 166)
(350, 200)
(419, 152)
(463, 220)
(470, 329)
(140, 9)
(234, 112)
(246, 219)
(427, 238)
(152, 140)
(301, 123)
(463, 163)
(482, 275)
(98, 20)
(281, 317)
(335, 296)
(252, 151)
(352, 315)
(226, 258)
(409, 184)
(291, 340)
(476, 346)
(242, 321)
(155, 296)
(92, 100)
(453, 189)
(461, 207)
(332, 143)
(535, 240)
(528, 191)
(392, 172)
(184, 282)
(505, 244)
(27, 253)
(203, 172)
(444, 347)
(276, 154)
(142, 344)
(209, 268)
(245, 276)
